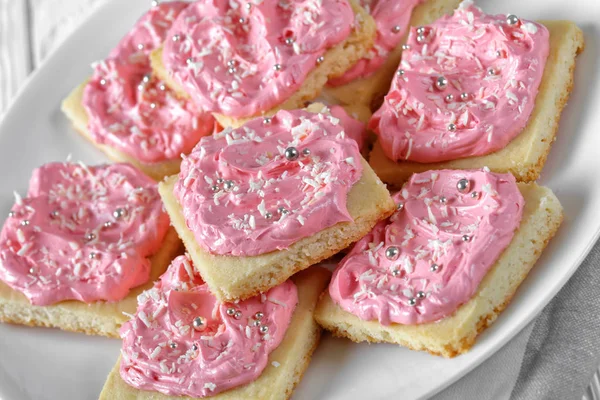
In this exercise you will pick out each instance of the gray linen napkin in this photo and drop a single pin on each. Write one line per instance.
(554, 357)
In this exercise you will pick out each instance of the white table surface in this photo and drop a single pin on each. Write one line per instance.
(31, 29)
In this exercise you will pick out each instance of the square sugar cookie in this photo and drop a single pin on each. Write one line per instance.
(524, 156)
(240, 277)
(371, 89)
(457, 333)
(336, 61)
(97, 318)
(286, 364)
(72, 107)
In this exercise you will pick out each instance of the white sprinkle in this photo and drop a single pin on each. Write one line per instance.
(300, 219)
(275, 364)
(529, 27)
(18, 198)
(155, 353)
(144, 318)
(210, 386)
(188, 268)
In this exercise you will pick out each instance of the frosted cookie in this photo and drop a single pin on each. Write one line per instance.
(492, 97)
(370, 78)
(76, 252)
(256, 204)
(132, 115)
(440, 270)
(184, 342)
(243, 59)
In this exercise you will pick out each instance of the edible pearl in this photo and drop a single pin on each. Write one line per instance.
(231, 70)
(231, 311)
(90, 236)
(474, 195)
(25, 222)
(264, 329)
(512, 19)
(153, 105)
(248, 6)
(396, 272)
(434, 267)
(306, 152)
(291, 153)
(441, 82)
(421, 30)
(220, 180)
(396, 28)
(399, 206)
(420, 294)
(277, 67)
(451, 127)
(189, 61)
(119, 213)
(195, 347)
(463, 185)
(228, 185)
(231, 63)
(449, 98)
(237, 315)
(498, 54)
(405, 46)
(92, 255)
(443, 200)
(412, 302)
(466, 238)
(391, 252)
(241, 20)
(282, 210)
(199, 323)
(154, 3)
(103, 82)
(173, 345)
(320, 59)
(176, 38)
(140, 46)
(107, 224)
(54, 214)
(32, 270)
(491, 72)
(259, 315)
(268, 215)
(11, 214)
(464, 96)
(289, 41)
(146, 78)
(400, 72)
(214, 188)
(266, 120)
(420, 39)
(256, 323)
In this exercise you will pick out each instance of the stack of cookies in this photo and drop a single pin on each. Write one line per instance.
(398, 142)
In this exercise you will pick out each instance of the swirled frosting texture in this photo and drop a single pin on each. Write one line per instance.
(163, 351)
(243, 58)
(134, 112)
(430, 256)
(489, 72)
(82, 233)
(240, 195)
(392, 18)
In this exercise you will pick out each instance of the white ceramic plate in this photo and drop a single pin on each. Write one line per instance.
(49, 364)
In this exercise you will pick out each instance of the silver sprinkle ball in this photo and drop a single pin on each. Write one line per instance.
(292, 153)
(441, 82)
(405, 46)
(420, 294)
(443, 199)
(463, 185)
(421, 30)
(231, 311)
(452, 127)
(396, 272)
(396, 28)
(195, 347)
(464, 96)
(103, 81)
(119, 213)
(107, 224)
(11, 214)
(140, 46)
(474, 195)
(199, 323)
(512, 19)
(237, 315)
(306, 152)
(449, 98)
(268, 215)
(90, 236)
(434, 267)
(25, 222)
(220, 180)
(267, 120)
(214, 188)
(277, 67)
(259, 315)
(400, 72)
(173, 345)
(466, 238)
(399, 206)
(176, 38)
(391, 252)
(289, 41)
(320, 59)
(264, 329)
(228, 185)
(412, 302)
(256, 323)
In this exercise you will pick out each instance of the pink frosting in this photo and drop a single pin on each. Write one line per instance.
(353, 128)
(243, 58)
(82, 233)
(429, 257)
(133, 111)
(164, 351)
(392, 18)
(488, 73)
(241, 196)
